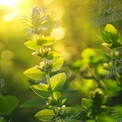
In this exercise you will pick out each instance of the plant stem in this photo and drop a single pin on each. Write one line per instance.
(99, 82)
(49, 83)
(113, 61)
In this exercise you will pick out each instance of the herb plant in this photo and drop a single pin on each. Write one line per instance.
(47, 72)
(51, 78)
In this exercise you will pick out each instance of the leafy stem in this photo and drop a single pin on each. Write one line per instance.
(49, 83)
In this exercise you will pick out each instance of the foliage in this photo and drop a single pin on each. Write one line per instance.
(48, 70)
(51, 80)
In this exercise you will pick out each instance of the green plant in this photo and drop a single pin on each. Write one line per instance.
(105, 71)
(48, 73)
(109, 80)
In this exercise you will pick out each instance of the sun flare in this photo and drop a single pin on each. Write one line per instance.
(10, 3)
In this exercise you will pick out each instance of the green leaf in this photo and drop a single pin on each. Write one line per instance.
(31, 44)
(52, 55)
(57, 64)
(106, 119)
(112, 85)
(41, 89)
(38, 41)
(111, 29)
(8, 104)
(33, 102)
(34, 73)
(69, 112)
(45, 115)
(118, 110)
(115, 45)
(86, 103)
(110, 34)
(57, 95)
(57, 81)
(105, 37)
(45, 41)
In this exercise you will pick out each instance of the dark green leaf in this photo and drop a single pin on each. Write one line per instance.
(115, 45)
(105, 37)
(112, 85)
(8, 104)
(34, 102)
(86, 103)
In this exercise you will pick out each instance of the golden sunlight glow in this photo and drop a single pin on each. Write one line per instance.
(9, 17)
(10, 3)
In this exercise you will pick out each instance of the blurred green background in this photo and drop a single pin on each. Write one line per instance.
(74, 34)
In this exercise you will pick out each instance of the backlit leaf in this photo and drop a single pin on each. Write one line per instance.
(57, 81)
(31, 44)
(45, 115)
(57, 64)
(52, 55)
(110, 29)
(34, 73)
(41, 89)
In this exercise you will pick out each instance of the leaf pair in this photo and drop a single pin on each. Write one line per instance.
(57, 81)
(39, 41)
(110, 34)
(37, 74)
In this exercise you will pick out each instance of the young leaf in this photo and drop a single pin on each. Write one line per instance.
(34, 73)
(41, 89)
(31, 44)
(57, 81)
(57, 64)
(110, 29)
(57, 95)
(86, 103)
(111, 32)
(52, 55)
(45, 41)
(38, 41)
(45, 115)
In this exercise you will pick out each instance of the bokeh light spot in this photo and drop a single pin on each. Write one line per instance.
(58, 33)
